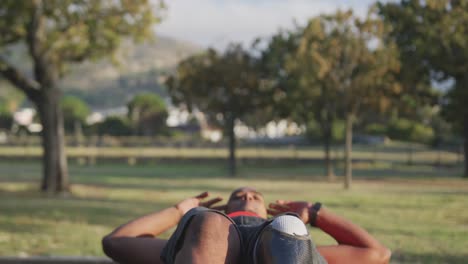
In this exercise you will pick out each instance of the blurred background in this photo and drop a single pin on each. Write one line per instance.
(113, 109)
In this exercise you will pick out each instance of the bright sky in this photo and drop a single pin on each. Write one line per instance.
(217, 22)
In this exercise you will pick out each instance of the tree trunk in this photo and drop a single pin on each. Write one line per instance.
(348, 151)
(78, 133)
(55, 171)
(465, 145)
(328, 161)
(232, 146)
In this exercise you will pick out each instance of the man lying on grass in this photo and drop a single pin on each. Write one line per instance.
(243, 234)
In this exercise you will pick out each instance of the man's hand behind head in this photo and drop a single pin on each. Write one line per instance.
(299, 207)
(189, 203)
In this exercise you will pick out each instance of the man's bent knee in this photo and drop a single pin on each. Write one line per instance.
(211, 237)
(209, 224)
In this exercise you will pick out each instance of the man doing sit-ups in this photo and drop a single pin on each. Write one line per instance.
(241, 232)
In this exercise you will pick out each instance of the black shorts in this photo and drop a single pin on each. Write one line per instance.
(248, 227)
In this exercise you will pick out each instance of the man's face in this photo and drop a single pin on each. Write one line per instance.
(247, 199)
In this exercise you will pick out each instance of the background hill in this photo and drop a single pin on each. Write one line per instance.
(139, 68)
(103, 84)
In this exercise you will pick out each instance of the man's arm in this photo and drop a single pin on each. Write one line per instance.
(136, 242)
(355, 244)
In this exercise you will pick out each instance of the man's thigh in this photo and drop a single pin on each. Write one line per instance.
(203, 232)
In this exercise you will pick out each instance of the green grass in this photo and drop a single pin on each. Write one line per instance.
(419, 212)
(393, 152)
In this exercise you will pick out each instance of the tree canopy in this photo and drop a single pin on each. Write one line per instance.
(226, 87)
(433, 36)
(147, 112)
(75, 111)
(336, 66)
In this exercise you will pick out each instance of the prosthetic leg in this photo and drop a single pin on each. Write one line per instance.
(286, 240)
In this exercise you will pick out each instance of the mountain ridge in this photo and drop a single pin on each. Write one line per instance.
(141, 67)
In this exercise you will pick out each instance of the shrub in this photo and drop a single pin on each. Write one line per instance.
(376, 129)
(114, 126)
(407, 130)
(422, 134)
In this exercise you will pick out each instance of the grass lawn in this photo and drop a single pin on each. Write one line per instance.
(419, 212)
(391, 152)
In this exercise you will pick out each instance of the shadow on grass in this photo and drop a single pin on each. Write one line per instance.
(207, 169)
(11, 226)
(428, 258)
(37, 210)
(197, 176)
(410, 172)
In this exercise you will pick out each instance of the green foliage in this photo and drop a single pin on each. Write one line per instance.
(434, 34)
(454, 108)
(408, 130)
(444, 131)
(3, 106)
(147, 113)
(422, 134)
(226, 87)
(6, 121)
(315, 132)
(343, 67)
(10, 98)
(225, 84)
(376, 129)
(6, 117)
(77, 30)
(146, 103)
(434, 38)
(286, 91)
(330, 69)
(114, 126)
(75, 111)
(338, 130)
(400, 129)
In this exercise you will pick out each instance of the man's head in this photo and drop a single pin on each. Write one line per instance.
(247, 199)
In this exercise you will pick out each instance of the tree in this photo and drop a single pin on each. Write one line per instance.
(147, 113)
(6, 117)
(226, 87)
(57, 33)
(435, 32)
(75, 111)
(345, 68)
(10, 98)
(298, 96)
(114, 126)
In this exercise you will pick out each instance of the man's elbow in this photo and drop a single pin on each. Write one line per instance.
(379, 255)
(384, 255)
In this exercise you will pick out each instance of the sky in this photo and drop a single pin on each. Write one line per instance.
(215, 23)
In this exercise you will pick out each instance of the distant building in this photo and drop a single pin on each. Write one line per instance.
(25, 118)
(100, 115)
(275, 129)
(181, 119)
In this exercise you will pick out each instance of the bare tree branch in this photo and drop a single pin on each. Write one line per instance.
(30, 87)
